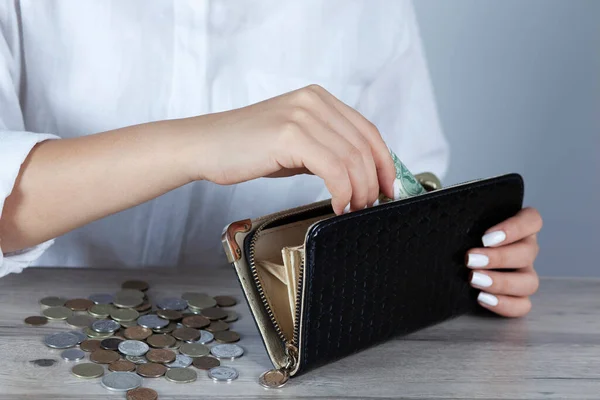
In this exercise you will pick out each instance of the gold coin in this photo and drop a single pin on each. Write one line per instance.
(101, 310)
(127, 301)
(161, 341)
(96, 335)
(53, 301)
(87, 370)
(161, 356)
(79, 304)
(167, 329)
(217, 326)
(124, 314)
(36, 320)
(186, 334)
(128, 324)
(199, 300)
(231, 316)
(137, 333)
(181, 375)
(151, 370)
(136, 285)
(194, 350)
(104, 356)
(142, 394)
(196, 321)
(214, 313)
(226, 336)
(80, 321)
(225, 301)
(171, 315)
(57, 313)
(121, 366)
(90, 345)
(205, 362)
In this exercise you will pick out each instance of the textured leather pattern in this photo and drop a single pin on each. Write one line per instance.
(397, 268)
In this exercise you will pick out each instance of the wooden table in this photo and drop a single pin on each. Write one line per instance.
(554, 353)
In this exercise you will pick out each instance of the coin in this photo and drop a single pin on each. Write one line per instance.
(80, 335)
(127, 301)
(136, 285)
(80, 321)
(181, 375)
(79, 304)
(214, 313)
(273, 379)
(194, 349)
(205, 337)
(151, 370)
(225, 301)
(206, 362)
(181, 361)
(162, 356)
(36, 320)
(172, 315)
(227, 336)
(96, 335)
(196, 321)
(152, 321)
(136, 359)
(101, 310)
(72, 355)
(62, 340)
(227, 351)
(128, 324)
(186, 334)
(53, 301)
(111, 343)
(161, 341)
(231, 316)
(133, 348)
(101, 298)
(137, 333)
(194, 310)
(144, 307)
(121, 381)
(172, 303)
(105, 326)
(124, 314)
(223, 374)
(104, 356)
(199, 300)
(176, 346)
(121, 366)
(87, 370)
(58, 312)
(90, 345)
(167, 329)
(142, 394)
(217, 326)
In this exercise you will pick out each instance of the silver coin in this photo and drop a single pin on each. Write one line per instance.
(205, 337)
(137, 359)
(227, 351)
(105, 326)
(121, 381)
(133, 348)
(181, 361)
(72, 354)
(172, 303)
(80, 335)
(62, 340)
(223, 374)
(152, 321)
(102, 298)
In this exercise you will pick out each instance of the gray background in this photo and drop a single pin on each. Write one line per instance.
(518, 90)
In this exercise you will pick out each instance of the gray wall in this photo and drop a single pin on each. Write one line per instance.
(518, 89)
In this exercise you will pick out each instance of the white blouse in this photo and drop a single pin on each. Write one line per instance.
(72, 68)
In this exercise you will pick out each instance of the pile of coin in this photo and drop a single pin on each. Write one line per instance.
(137, 339)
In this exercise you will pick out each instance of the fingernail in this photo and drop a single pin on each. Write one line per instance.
(493, 238)
(477, 260)
(397, 189)
(376, 203)
(488, 299)
(481, 280)
(346, 209)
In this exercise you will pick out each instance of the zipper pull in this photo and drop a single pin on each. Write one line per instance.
(278, 377)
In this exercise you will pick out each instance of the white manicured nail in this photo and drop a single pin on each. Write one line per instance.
(376, 203)
(477, 260)
(346, 209)
(481, 280)
(488, 299)
(397, 189)
(493, 238)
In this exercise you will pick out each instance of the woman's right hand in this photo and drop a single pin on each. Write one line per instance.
(304, 131)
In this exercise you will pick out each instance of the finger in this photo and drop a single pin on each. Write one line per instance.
(304, 151)
(386, 172)
(506, 306)
(515, 255)
(525, 223)
(520, 283)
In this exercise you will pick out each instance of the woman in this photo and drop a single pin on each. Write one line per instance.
(104, 106)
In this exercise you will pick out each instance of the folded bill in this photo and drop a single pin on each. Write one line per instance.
(405, 184)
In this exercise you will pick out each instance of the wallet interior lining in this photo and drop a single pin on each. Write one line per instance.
(274, 277)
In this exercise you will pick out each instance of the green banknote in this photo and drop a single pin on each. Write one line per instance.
(405, 185)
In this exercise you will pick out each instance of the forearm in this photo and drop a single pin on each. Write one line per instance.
(67, 183)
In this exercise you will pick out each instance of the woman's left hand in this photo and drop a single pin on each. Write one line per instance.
(512, 244)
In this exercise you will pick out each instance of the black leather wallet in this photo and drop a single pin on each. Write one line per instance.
(321, 286)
